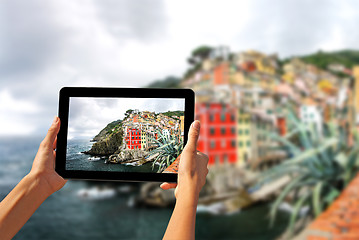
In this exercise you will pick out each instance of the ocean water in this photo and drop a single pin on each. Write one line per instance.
(66, 215)
(76, 160)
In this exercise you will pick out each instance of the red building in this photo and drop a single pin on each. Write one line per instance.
(133, 138)
(218, 132)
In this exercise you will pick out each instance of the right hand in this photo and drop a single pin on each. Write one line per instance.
(192, 169)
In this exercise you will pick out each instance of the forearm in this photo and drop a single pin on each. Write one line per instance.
(20, 204)
(183, 219)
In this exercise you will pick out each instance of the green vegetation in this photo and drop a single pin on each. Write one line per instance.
(107, 130)
(169, 148)
(173, 113)
(320, 167)
(322, 59)
(168, 82)
(195, 60)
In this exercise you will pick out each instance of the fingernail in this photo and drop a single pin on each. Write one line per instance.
(196, 125)
(55, 120)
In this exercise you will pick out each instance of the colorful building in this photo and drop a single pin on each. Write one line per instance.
(221, 74)
(133, 138)
(243, 137)
(218, 132)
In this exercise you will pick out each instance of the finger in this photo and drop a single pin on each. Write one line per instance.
(55, 144)
(193, 135)
(166, 185)
(52, 133)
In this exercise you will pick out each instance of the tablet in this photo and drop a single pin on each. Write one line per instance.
(129, 134)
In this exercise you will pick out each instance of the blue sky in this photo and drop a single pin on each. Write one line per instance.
(48, 44)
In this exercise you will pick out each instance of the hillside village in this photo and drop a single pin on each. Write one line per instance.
(141, 127)
(240, 97)
(133, 138)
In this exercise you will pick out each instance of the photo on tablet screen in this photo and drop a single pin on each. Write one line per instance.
(125, 134)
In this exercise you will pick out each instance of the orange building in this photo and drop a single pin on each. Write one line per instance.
(221, 74)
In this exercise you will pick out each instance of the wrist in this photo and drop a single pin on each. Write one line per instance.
(41, 182)
(187, 196)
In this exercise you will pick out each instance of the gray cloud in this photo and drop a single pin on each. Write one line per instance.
(298, 27)
(47, 44)
(89, 115)
(31, 38)
(143, 20)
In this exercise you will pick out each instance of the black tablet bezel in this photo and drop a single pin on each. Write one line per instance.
(67, 92)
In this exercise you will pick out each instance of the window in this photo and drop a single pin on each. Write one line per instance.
(233, 130)
(233, 143)
(248, 143)
(223, 130)
(213, 144)
(212, 130)
(211, 117)
(223, 117)
(240, 132)
(247, 131)
(240, 143)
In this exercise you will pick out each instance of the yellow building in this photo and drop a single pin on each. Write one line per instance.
(182, 125)
(243, 137)
(236, 78)
(266, 64)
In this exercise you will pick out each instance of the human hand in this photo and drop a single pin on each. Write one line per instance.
(43, 167)
(192, 169)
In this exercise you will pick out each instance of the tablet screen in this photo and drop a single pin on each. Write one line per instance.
(124, 134)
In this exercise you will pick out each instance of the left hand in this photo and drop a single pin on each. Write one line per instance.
(43, 166)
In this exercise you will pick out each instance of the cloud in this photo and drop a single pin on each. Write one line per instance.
(15, 113)
(87, 116)
(48, 44)
(31, 37)
(141, 20)
(300, 27)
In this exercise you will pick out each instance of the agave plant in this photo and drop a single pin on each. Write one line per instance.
(169, 148)
(321, 165)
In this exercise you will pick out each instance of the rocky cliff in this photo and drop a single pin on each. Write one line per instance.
(104, 133)
(108, 145)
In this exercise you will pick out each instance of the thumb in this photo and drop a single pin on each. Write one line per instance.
(52, 133)
(193, 135)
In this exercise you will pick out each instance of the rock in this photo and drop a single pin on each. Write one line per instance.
(107, 146)
(153, 196)
(129, 156)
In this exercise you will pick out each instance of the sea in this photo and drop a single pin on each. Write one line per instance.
(68, 214)
(77, 160)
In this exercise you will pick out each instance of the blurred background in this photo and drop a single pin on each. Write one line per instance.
(276, 92)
